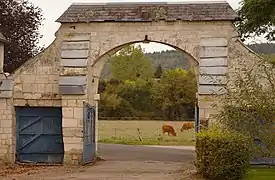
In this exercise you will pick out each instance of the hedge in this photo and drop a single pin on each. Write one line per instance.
(222, 154)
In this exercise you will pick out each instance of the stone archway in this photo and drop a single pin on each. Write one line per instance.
(95, 41)
(67, 72)
(97, 66)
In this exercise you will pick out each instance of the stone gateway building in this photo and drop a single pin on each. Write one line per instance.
(48, 107)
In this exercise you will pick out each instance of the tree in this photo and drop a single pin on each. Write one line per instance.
(138, 94)
(158, 72)
(248, 106)
(175, 91)
(131, 64)
(112, 105)
(257, 18)
(19, 23)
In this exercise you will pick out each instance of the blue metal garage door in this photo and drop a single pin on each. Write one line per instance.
(39, 135)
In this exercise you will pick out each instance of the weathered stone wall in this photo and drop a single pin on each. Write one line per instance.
(240, 54)
(37, 82)
(107, 38)
(7, 131)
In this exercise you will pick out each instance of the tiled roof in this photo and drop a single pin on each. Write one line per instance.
(129, 12)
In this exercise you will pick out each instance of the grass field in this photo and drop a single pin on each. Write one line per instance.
(261, 173)
(143, 133)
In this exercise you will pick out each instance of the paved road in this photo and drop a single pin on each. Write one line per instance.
(117, 152)
(123, 162)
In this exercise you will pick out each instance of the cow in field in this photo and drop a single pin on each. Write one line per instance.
(169, 129)
(187, 126)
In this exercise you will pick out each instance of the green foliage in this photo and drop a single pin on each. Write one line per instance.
(131, 64)
(261, 173)
(248, 107)
(222, 154)
(117, 106)
(137, 93)
(168, 59)
(142, 98)
(158, 72)
(126, 99)
(176, 90)
(257, 18)
(19, 23)
(134, 93)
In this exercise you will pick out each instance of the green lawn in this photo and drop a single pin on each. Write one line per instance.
(261, 173)
(143, 133)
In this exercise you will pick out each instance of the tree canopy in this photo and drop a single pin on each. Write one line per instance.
(257, 18)
(248, 106)
(133, 91)
(19, 23)
(158, 72)
(131, 64)
(175, 91)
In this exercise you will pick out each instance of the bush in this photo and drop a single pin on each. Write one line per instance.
(222, 154)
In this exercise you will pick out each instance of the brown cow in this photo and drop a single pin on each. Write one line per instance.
(169, 129)
(187, 126)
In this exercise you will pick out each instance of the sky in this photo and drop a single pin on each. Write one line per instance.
(53, 9)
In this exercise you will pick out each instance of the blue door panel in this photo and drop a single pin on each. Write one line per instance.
(197, 120)
(41, 158)
(36, 111)
(39, 135)
(88, 133)
(42, 144)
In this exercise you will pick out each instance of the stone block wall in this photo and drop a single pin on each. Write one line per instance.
(73, 89)
(43, 80)
(36, 83)
(195, 39)
(72, 112)
(7, 129)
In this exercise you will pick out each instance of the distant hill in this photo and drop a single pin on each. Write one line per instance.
(167, 59)
(266, 48)
(172, 58)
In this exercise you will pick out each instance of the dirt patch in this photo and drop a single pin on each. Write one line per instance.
(20, 169)
(105, 170)
(16, 171)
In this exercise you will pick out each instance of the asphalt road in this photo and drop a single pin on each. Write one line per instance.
(117, 152)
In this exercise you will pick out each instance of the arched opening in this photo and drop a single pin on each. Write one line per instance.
(191, 59)
(144, 85)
